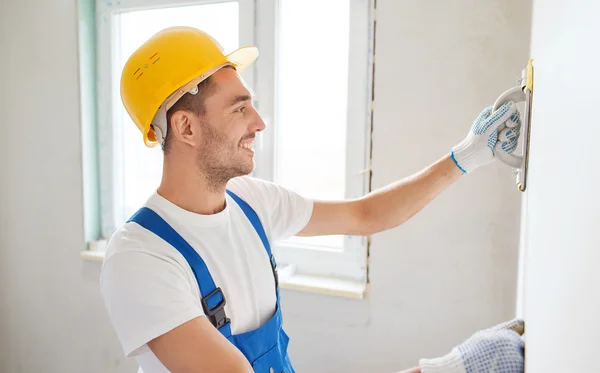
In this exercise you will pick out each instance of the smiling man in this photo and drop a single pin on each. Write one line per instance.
(189, 282)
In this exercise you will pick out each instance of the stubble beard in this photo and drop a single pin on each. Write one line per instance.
(218, 161)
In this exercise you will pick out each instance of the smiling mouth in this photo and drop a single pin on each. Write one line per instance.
(248, 144)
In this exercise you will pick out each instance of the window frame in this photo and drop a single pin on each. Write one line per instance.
(258, 24)
(351, 262)
(110, 108)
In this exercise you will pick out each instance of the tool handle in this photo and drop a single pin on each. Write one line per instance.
(512, 160)
(515, 94)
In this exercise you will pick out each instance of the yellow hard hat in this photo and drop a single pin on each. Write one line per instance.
(167, 66)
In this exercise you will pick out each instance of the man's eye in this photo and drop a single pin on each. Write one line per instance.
(241, 109)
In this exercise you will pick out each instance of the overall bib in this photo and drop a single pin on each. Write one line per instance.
(265, 347)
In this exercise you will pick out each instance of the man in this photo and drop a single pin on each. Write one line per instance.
(189, 282)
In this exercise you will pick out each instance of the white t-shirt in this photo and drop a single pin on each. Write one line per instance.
(149, 288)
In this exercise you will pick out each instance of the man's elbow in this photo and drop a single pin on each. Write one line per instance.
(365, 222)
(371, 220)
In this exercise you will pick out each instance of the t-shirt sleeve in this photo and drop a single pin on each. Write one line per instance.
(146, 296)
(283, 212)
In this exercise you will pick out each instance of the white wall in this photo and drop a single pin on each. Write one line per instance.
(452, 268)
(435, 280)
(51, 316)
(562, 239)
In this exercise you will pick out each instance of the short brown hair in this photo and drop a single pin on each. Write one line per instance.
(191, 103)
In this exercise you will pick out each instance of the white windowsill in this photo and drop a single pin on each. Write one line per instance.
(92, 256)
(288, 279)
(325, 285)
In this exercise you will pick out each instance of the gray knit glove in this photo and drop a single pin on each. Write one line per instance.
(499, 349)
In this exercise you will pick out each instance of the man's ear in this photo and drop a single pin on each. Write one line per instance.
(182, 128)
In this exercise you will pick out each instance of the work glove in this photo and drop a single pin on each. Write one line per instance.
(499, 349)
(490, 133)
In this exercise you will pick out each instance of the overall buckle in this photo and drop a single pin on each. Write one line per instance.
(215, 314)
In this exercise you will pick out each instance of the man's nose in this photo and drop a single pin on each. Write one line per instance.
(258, 124)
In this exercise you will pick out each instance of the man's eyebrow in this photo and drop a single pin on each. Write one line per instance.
(240, 98)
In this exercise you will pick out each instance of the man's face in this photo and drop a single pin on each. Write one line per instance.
(228, 129)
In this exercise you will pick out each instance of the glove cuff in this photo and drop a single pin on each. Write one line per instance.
(450, 363)
(467, 155)
(458, 164)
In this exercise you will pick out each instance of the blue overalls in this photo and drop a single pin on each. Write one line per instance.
(265, 347)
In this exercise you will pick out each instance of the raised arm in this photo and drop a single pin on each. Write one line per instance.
(384, 208)
(395, 203)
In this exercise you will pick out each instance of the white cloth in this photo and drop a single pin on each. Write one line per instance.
(148, 287)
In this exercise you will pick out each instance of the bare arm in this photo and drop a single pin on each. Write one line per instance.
(197, 346)
(384, 208)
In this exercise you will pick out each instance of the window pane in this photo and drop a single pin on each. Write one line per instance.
(312, 101)
(141, 166)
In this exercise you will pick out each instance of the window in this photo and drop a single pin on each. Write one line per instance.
(130, 172)
(312, 86)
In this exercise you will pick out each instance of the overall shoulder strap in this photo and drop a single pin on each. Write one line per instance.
(213, 300)
(253, 217)
(258, 227)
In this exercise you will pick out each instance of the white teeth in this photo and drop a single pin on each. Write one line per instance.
(246, 145)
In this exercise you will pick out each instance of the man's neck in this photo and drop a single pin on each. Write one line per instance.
(189, 189)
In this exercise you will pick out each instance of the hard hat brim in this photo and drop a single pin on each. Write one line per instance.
(242, 57)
